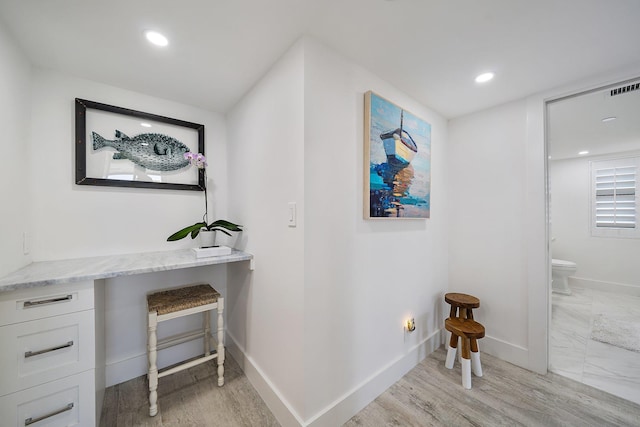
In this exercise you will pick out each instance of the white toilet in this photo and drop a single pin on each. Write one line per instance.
(560, 272)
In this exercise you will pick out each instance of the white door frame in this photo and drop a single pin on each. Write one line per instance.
(537, 243)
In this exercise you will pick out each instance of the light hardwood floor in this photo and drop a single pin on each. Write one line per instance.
(190, 398)
(429, 395)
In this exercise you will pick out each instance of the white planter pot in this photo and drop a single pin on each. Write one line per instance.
(207, 238)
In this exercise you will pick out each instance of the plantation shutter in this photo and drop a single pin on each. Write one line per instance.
(615, 197)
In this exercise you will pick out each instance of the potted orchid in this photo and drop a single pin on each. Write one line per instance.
(204, 227)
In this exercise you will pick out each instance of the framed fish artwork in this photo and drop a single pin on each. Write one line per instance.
(397, 161)
(119, 147)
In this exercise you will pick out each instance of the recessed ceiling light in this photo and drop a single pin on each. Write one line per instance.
(582, 153)
(484, 77)
(156, 38)
(608, 119)
(145, 125)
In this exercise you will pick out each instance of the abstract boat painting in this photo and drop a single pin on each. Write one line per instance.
(397, 161)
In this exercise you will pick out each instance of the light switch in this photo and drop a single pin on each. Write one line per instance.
(292, 214)
(26, 243)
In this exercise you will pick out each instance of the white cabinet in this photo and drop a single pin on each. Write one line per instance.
(45, 350)
(47, 356)
(66, 402)
(41, 302)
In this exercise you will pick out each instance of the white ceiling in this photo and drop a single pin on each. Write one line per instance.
(430, 49)
(575, 124)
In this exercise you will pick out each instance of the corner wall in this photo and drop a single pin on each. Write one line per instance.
(15, 179)
(363, 278)
(73, 220)
(487, 217)
(265, 307)
(496, 137)
(319, 324)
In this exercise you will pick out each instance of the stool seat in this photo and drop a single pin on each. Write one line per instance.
(173, 303)
(178, 299)
(462, 300)
(464, 328)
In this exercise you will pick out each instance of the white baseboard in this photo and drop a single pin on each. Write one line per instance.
(346, 406)
(352, 402)
(125, 370)
(278, 405)
(506, 351)
(599, 285)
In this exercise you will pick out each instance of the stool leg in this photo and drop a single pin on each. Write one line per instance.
(453, 311)
(451, 352)
(153, 368)
(207, 332)
(220, 349)
(475, 358)
(466, 364)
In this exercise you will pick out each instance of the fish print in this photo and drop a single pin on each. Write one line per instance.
(153, 151)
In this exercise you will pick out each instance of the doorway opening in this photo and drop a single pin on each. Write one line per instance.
(592, 202)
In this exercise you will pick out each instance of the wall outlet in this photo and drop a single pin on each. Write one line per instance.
(411, 325)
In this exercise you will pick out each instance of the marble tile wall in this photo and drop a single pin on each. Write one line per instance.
(572, 352)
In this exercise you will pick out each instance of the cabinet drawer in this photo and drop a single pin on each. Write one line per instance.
(46, 349)
(37, 303)
(66, 402)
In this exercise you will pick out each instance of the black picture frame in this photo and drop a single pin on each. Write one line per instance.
(191, 178)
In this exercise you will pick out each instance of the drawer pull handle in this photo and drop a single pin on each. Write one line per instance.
(59, 347)
(30, 420)
(29, 304)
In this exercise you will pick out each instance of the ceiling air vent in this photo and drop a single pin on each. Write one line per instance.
(625, 89)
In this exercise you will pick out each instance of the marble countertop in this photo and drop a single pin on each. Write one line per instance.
(44, 273)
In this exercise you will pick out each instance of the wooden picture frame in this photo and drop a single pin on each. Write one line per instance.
(120, 147)
(397, 161)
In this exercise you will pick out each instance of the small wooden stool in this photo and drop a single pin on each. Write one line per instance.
(468, 331)
(179, 302)
(462, 306)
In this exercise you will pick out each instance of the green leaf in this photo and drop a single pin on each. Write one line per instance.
(186, 231)
(222, 223)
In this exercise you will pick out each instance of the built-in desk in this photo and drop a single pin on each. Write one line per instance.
(52, 317)
(45, 273)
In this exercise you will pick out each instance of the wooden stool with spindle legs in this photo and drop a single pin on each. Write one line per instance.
(178, 302)
(464, 328)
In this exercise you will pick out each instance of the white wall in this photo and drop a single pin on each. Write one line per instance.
(15, 204)
(72, 221)
(363, 278)
(266, 164)
(332, 291)
(320, 321)
(602, 259)
(487, 189)
(499, 235)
